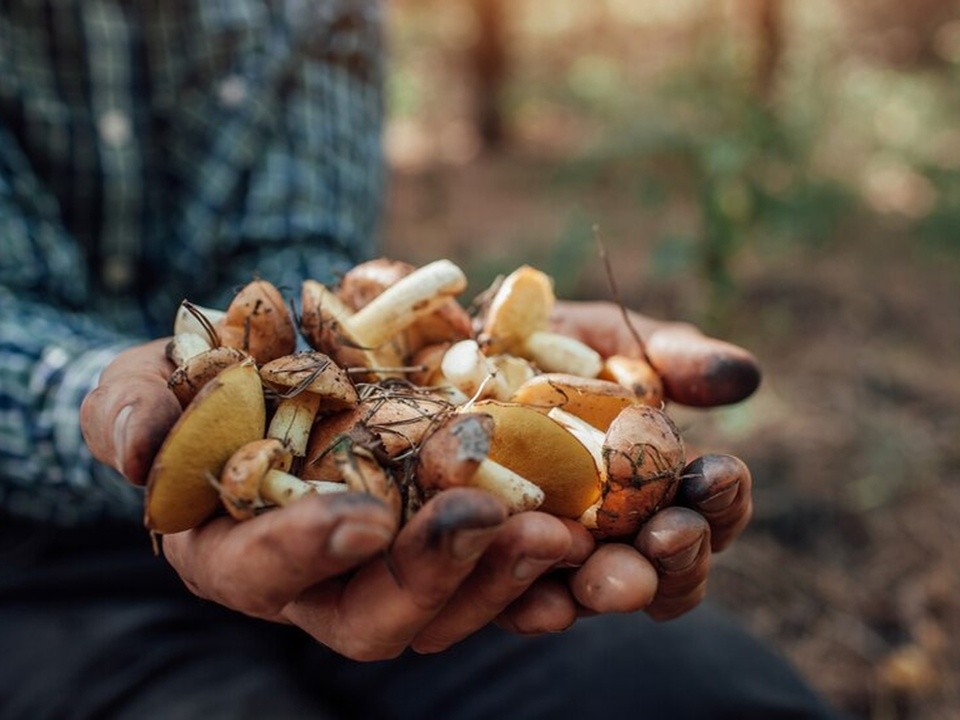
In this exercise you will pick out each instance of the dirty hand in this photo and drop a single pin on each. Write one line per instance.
(664, 570)
(335, 565)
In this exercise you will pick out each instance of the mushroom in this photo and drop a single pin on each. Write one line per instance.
(359, 470)
(361, 284)
(252, 480)
(543, 451)
(597, 402)
(636, 374)
(196, 371)
(465, 366)
(306, 382)
(257, 322)
(362, 338)
(228, 413)
(640, 458)
(457, 454)
(516, 321)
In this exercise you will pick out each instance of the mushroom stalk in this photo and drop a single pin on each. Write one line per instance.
(519, 493)
(281, 488)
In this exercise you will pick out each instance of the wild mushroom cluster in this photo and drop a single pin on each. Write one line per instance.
(404, 394)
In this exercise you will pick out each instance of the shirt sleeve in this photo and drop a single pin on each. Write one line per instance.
(51, 356)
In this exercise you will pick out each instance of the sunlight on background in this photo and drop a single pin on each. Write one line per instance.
(785, 173)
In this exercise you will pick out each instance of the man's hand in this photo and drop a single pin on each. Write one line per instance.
(664, 570)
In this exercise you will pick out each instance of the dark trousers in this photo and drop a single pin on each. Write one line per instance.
(92, 625)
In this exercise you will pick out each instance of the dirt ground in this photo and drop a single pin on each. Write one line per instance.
(851, 566)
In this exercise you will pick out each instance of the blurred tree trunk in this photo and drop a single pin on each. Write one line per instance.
(766, 23)
(489, 68)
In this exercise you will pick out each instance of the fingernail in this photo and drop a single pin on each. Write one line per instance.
(120, 437)
(683, 559)
(527, 569)
(721, 500)
(469, 544)
(357, 541)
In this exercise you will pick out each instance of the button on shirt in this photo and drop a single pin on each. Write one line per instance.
(153, 151)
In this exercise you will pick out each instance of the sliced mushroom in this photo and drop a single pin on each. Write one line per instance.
(516, 321)
(228, 413)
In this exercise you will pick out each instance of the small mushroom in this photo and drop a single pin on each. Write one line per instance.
(636, 374)
(196, 371)
(597, 402)
(468, 369)
(228, 413)
(543, 451)
(252, 480)
(516, 320)
(360, 339)
(307, 382)
(363, 283)
(457, 454)
(359, 470)
(259, 322)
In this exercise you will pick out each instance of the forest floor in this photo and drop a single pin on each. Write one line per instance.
(851, 567)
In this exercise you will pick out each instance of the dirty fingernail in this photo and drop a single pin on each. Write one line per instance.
(683, 559)
(356, 541)
(120, 437)
(721, 500)
(470, 544)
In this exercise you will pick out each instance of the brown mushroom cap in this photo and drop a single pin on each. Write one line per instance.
(188, 379)
(228, 413)
(597, 402)
(259, 322)
(311, 372)
(541, 450)
(644, 456)
(241, 476)
(450, 456)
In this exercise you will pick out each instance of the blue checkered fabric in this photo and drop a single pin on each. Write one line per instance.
(156, 150)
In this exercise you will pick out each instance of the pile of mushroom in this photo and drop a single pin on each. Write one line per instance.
(403, 395)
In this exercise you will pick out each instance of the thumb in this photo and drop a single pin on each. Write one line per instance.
(126, 418)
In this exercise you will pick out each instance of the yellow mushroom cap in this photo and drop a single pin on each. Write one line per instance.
(597, 402)
(228, 413)
(541, 450)
(520, 307)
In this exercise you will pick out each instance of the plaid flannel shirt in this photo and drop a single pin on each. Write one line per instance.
(154, 150)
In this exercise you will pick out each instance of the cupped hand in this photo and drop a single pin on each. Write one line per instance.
(664, 569)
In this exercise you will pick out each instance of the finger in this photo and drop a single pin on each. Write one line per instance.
(547, 606)
(127, 417)
(698, 370)
(261, 565)
(387, 603)
(616, 578)
(527, 546)
(719, 488)
(677, 542)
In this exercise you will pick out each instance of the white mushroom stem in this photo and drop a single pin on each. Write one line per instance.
(553, 352)
(400, 305)
(282, 488)
(519, 493)
(592, 439)
(466, 368)
(185, 346)
(187, 322)
(293, 420)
